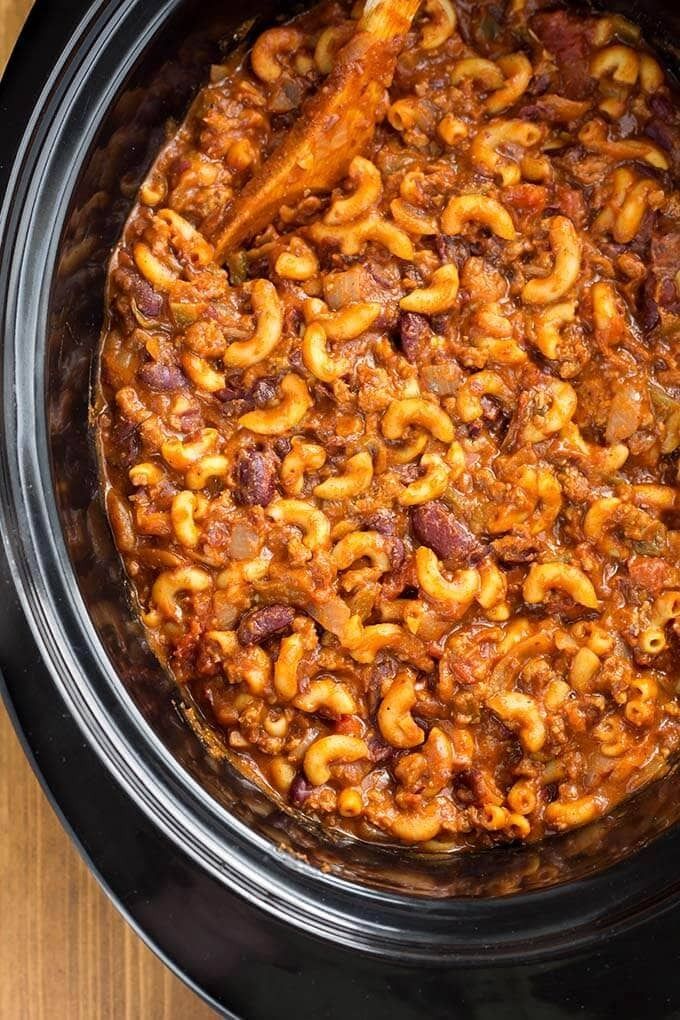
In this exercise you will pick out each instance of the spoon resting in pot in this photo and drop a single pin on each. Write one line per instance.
(336, 124)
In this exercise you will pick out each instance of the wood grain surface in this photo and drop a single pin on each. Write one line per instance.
(65, 953)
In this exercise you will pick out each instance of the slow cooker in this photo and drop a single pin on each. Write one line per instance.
(263, 915)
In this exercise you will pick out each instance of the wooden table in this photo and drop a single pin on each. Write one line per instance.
(65, 953)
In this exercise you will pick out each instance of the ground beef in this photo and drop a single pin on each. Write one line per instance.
(565, 36)
(414, 335)
(652, 573)
(665, 261)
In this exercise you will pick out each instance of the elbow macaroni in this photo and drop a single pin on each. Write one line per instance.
(294, 404)
(566, 249)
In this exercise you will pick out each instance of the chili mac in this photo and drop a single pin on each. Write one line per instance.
(395, 476)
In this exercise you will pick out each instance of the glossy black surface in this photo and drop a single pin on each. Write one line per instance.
(167, 832)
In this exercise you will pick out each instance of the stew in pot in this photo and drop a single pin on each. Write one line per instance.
(389, 416)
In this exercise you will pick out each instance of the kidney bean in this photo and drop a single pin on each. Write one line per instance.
(148, 301)
(436, 527)
(180, 166)
(300, 790)
(515, 549)
(259, 624)
(255, 476)
(161, 377)
(128, 281)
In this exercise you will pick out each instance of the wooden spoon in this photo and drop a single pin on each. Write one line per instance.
(336, 124)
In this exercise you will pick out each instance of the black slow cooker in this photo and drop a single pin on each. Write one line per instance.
(264, 916)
